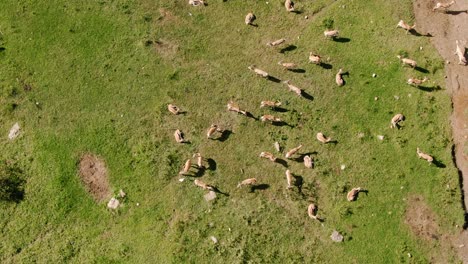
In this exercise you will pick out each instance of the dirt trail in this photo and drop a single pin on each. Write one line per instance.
(445, 28)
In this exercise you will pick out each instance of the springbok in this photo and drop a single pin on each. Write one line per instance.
(331, 33)
(394, 123)
(276, 42)
(312, 211)
(250, 18)
(460, 52)
(187, 166)
(289, 5)
(425, 156)
(322, 138)
(173, 109)
(309, 162)
(203, 185)
(258, 71)
(289, 179)
(314, 58)
(442, 6)
(196, 2)
(267, 155)
(179, 136)
(287, 65)
(416, 82)
(339, 79)
(293, 88)
(231, 106)
(293, 151)
(352, 195)
(407, 61)
(213, 128)
(199, 160)
(271, 104)
(270, 118)
(251, 181)
(405, 26)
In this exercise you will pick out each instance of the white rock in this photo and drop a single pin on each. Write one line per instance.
(361, 135)
(214, 239)
(376, 98)
(337, 237)
(210, 196)
(14, 131)
(380, 137)
(306, 17)
(182, 179)
(277, 146)
(396, 97)
(113, 203)
(374, 75)
(343, 166)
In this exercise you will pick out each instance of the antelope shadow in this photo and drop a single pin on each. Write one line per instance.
(260, 187)
(288, 48)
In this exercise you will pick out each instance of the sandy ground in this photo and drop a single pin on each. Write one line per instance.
(445, 28)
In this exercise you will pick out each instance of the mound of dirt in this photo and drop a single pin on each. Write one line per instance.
(93, 174)
(421, 219)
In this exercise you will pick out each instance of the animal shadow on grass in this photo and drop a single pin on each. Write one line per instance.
(301, 157)
(341, 40)
(298, 182)
(2, 49)
(274, 79)
(260, 187)
(429, 89)
(288, 48)
(279, 109)
(13, 190)
(282, 123)
(297, 70)
(417, 34)
(326, 66)
(438, 163)
(216, 190)
(456, 12)
(307, 96)
(282, 162)
(297, 12)
(200, 172)
(248, 114)
(361, 191)
(420, 69)
(224, 135)
(211, 164)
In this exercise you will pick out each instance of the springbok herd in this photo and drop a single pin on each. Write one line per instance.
(307, 160)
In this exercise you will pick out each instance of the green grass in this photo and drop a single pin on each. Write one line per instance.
(102, 88)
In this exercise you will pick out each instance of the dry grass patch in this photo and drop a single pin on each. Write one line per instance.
(93, 174)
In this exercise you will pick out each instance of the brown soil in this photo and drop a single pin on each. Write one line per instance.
(93, 174)
(445, 28)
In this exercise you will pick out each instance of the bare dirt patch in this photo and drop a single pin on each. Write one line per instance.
(93, 174)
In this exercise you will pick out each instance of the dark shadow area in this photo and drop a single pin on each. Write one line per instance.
(462, 190)
(248, 114)
(297, 70)
(2, 49)
(361, 191)
(326, 66)
(216, 190)
(279, 109)
(282, 162)
(280, 124)
(438, 163)
(420, 69)
(298, 182)
(12, 189)
(224, 135)
(429, 89)
(273, 79)
(297, 12)
(200, 172)
(260, 187)
(307, 96)
(211, 164)
(341, 40)
(456, 12)
(417, 34)
(288, 48)
(333, 142)
(301, 156)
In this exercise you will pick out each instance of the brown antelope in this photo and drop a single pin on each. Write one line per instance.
(270, 104)
(276, 42)
(173, 109)
(339, 79)
(460, 52)
(293, 151)
(314, 58)
(312, 211)
(251, 181)
(213, 128)
(289, 179)
(187, 166)
(258, 72)
(267, 155)
(287, 65)
(199, 160)
(425, 156)
(203, 185)
(405, 26)
(442, 6)
(270, 118)
(331, 33)
(352, 195)
(394, 123)
(289, 5)
(231, 106)
(250, 18)
(196, 2)
(179, 136)
(309, 162)
(322, 138)
(416, 82)
(293, 88)
(406, 61)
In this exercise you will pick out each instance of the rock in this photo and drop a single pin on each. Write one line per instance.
(337, 237)
(376, 98)
(210, 196)
(122, 194)
(343, 166)
(374, 75)
(277, 146)
(113, 203)
(380, 137)
(214, 239)
(396, 97)
(360, 135)
(14, 131)
(306, 17)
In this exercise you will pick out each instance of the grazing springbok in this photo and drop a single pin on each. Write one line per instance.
(331, 33)
(407, 61)
(352, 195)
(276, 42)
(293, 88)
(199, 160)
(460, 52)
(213, 128)
(322, 138)
(293, 151)
(405, 26)
(271, 104)
(203, 185)
(196, 2)
(442, 6)
(338, 78)
(259, 72)
(173, 109)
(309, 162)
(231, 106)
(251, 181)
(312, 211)
(270, 118)
(425, 156)
(416, 82)
(289, 5)
(179, 136)
(288, 65)
(394, 123)
(314, 58)
(250, 18)
(187, 166)
(289, 179)
(267, 155)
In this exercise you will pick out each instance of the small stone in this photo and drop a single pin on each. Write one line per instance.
(420, 48)
(396, 97)
(14, 131)
(210, 196)
(182, 179)
(113, 203)
(376, 98)
(343, 166)
(409, 255)
(337, 237)
(409, 95)
(374, 75)
(137, 204)
(360, 135)
(306, 17)
(122, 193)
(380, 137)
(214, 239)
(277, 146)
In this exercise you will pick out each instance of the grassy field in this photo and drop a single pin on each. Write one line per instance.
(96, 76)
